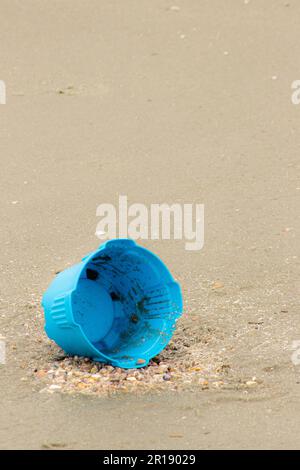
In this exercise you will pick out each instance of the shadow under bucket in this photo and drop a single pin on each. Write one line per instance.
(118, 306)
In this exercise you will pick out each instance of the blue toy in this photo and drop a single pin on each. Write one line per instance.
(118, 306)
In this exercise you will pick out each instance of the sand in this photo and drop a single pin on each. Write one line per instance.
(185, 102)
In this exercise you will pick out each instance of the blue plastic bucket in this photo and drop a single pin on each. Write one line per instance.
(119, 305)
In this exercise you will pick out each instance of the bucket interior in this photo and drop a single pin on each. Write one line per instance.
(127, 304)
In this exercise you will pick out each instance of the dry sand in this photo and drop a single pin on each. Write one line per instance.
(164, 102)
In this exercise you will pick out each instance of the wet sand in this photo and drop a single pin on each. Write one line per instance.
(162, 104)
